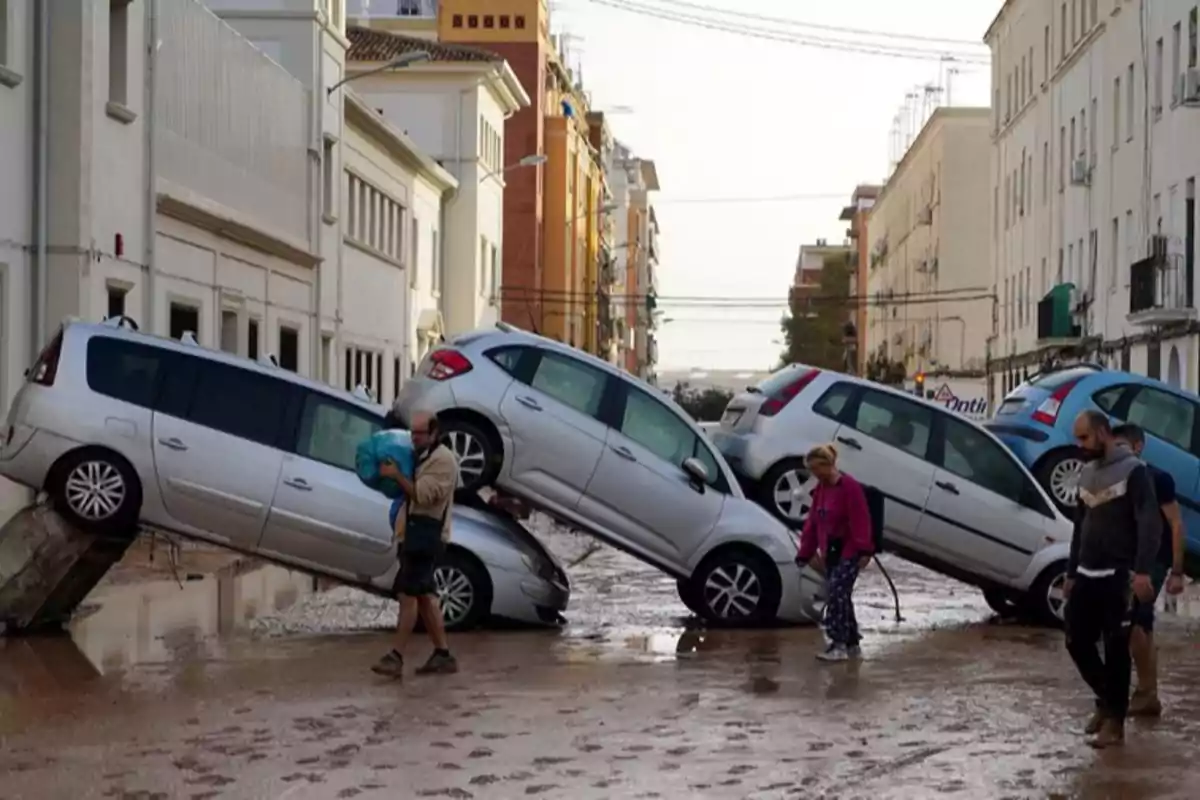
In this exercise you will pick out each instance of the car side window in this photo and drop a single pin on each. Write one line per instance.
(971, 455)
(1108, 398)
(507, 358)
(331, 431)
(239, 402)
(570, 382)
(656, 428)
(833, 402)
(1165, 415)
(894, 421)
(124, 370)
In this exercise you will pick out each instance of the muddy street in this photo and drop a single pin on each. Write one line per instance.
(218, 681)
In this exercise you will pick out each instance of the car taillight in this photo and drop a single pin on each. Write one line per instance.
(776, 402)
(1047, 412)
(447, 364)
(45, 369)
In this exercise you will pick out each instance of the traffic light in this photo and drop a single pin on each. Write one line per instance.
(919, 384)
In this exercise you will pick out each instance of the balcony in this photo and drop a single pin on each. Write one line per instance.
(1159, 292)
(1054, 323)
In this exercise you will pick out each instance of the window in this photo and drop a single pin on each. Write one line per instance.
(1062, 156)
(183, 319)
(489, 21)
(1176, 64)
(571, 383)
(327, 358)
(414, 263)
(483, 266)
(116, 301)
(1092, 133)
(327, 173)
(1192, 33)
(657, 428)
(1165, 415)
(118, 52)
(1083, 18)
(252, 339)
(437, 263)
(289, 348)
(330, 431)
(1074, 23)
(519, 22)
(125, 370)
(1116, 114)
(495, 279)
(1046, 55)
(1108, 398)
(895, 421)
(972, 456)
(374, 219)
(1129, 103)
(1083, 133)
(1021, 82)
(1158, 77)
(229, 331)
(363, 368)
(1129, 237)
(5, 59)
(1062, 33)
(507, 358)
(238, 402)
(1045, 172)
(1115, 259)
(472, 21)
(457, 21)
(833, 402)
(1008, 93)
(397, 378)
(505, 21)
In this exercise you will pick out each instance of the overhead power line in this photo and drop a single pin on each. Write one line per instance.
(795, 23)
(768, 34)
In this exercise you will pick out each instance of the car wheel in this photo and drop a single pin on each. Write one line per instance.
(1046, 601)
(1002, 603)
(786, 491)
(1059, 474)
(97, 490)
(464, 591)
(475, 453)
(687, 594)
(738, 586)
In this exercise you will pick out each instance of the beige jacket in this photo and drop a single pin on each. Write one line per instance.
(434, 486)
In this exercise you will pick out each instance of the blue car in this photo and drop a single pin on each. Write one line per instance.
(1036, 418)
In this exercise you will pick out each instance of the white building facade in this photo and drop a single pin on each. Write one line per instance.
(1096, 118)
(929, 279)
(454, 107)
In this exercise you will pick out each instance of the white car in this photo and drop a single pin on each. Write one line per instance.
(956, 499)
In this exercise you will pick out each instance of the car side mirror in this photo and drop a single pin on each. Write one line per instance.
(696, 471)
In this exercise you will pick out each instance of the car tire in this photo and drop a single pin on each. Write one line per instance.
(737, 585)
(98, 491)
(464, 590)
(478, 463)
(1002, 602)
(688, 596)
(1057, 474)
(788, 477)
(1045, 603)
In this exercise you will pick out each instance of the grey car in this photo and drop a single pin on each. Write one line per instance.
(603, 451)
(122, 428)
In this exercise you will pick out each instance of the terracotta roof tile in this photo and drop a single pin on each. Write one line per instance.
(368, 44)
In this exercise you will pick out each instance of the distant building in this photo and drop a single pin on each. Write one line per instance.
(856, 214)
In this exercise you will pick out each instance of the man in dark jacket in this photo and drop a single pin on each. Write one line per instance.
(1117, 532)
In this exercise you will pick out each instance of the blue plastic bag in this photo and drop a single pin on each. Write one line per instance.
(395, 445)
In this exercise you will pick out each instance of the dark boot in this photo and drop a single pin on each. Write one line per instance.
(440, 663)
(390, 666)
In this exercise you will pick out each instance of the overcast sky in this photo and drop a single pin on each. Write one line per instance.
(732, 118)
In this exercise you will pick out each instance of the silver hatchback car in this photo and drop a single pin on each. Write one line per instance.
(121, 428)
(598, 449)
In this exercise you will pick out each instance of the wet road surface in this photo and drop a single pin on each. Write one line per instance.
(253, 686)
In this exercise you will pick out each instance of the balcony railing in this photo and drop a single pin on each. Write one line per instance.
(1158, 291)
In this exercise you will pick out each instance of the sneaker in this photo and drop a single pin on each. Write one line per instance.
(390, 666)
(439, 664)
(834, 652)
(1145, 704)
(1095, 723)
(1111, 734)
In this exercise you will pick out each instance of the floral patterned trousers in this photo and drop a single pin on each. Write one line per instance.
(840, 622)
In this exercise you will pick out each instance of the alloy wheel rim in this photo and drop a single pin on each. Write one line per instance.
(95, 490)
(456, 594)
(1056, 598)
(793, 494)
(1064, 480)
(733, 591)
(469, 452)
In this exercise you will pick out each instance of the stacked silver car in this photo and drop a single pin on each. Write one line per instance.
(956, 499)
(602, 451)
(122, 429)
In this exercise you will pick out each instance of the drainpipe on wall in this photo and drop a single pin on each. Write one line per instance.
(39, 315)
(316, 200)
(151, 188)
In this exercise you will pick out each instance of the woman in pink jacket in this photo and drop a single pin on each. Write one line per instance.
(837, 541)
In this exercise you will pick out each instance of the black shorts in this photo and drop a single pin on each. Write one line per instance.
(415, 578)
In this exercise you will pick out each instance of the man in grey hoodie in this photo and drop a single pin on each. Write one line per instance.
(1116, 538)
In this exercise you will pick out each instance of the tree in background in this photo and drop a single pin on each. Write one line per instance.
(815, 325)
(704, 405)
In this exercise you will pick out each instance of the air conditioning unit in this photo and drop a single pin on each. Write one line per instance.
(925, 216)
(1191, 88)
(1081, 173)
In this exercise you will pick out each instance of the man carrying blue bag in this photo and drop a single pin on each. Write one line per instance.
(422, 529)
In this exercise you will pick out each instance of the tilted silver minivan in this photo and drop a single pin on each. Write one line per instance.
(122, 428)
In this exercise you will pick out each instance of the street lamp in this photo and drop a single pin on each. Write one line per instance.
(400, 62)
(535, 160)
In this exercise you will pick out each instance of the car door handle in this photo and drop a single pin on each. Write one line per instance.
(624, 452)
(529, 402)
(849, 442)
(947, 486)
(173, 444)
(298, 483)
